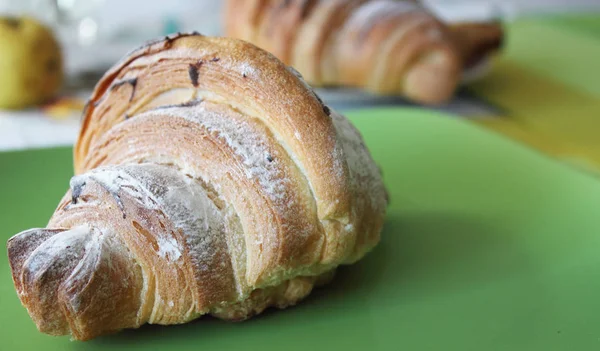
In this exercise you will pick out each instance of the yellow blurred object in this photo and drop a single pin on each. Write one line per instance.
(31, 65)
(64, 108)
(544, 113)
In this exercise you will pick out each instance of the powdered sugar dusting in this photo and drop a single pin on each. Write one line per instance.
(117, 180)
(87, 265)
(69, 243)
(364, 173)
(168, 248)
(112, 179)
(186, 204)
(201, 222)
(260, 161)
(247, 70)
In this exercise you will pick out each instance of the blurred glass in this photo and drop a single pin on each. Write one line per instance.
(96, 33)
(74, 20)
(77, 18)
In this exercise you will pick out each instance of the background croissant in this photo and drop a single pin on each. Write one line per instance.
(384, 46)
(211, 180)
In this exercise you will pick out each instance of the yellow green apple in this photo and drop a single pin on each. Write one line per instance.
(31, 65)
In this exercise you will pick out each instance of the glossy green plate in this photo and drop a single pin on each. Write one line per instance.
(487, 246)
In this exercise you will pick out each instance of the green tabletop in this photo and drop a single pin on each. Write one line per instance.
(545, 83)
(488, 245)
(584, 23)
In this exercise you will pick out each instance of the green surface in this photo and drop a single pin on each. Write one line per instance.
(546, 84)
(588, 24)
(487, 246)
(557, 52)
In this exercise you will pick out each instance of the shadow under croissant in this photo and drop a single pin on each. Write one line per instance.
(420, 255)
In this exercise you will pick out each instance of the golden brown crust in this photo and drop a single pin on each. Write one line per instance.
(279, 26)
(477, 40)
(364, 45)
(383, 46)
(243, 17)
(314, 36)
(283, 295)
(211, 180)
(246, 78)
(207, 156)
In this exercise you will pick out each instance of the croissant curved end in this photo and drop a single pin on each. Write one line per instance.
(433, 78)
(39, 256)
(58, 272)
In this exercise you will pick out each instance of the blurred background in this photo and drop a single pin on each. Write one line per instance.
(550, 43)
(95, 33)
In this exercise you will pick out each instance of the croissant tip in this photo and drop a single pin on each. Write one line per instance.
(36, 253)
(19, 245)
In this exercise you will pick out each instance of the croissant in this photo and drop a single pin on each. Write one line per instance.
(210, 179)
(384, 46)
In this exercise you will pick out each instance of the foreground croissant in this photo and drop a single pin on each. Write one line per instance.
(384, 46)
(211, 180)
